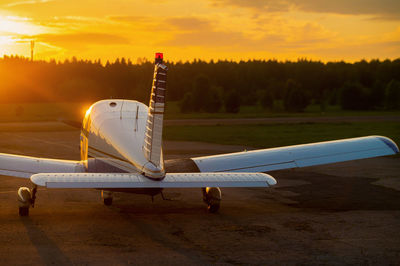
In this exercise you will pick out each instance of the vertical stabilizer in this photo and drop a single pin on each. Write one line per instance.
(154, 125)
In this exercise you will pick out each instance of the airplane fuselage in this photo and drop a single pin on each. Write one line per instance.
(113, 132)
(111, 140)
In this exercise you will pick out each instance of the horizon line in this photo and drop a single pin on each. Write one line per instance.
(144, 60)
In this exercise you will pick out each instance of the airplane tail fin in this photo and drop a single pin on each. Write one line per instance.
(154, 125)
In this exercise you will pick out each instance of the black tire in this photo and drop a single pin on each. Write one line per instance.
(108, 201)
(213, 208)
(23, 211)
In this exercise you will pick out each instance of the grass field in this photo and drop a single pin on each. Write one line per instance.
(256, 111)
(258, 136)
(14, 112)
(275, 135)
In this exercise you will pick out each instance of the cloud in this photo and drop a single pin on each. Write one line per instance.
(309, 32)
(189, 23)
(380, 9)
(70, 22)
(28, 2)
(366, 50)
(262, 5)
(199, 32)
(192, 31)
(299, 36)
(355, 7)
(78, 40)
(20, 25)
(206, 39)
(122, 18)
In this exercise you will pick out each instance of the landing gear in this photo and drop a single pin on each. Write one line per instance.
(213, 207)
(212, 197)
(108, 201)
(107, 197)
(23, 211)
(26, 199)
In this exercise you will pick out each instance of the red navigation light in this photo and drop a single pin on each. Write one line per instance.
(159, 58)
(159, 55)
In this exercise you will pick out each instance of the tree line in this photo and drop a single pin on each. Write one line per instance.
(208, 86)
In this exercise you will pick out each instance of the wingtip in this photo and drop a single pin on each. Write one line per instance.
(270, 180)
(38, 179)
(390, 143)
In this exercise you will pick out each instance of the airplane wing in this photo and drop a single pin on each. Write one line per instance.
(171, 180)
(25, 166)
(298, 155)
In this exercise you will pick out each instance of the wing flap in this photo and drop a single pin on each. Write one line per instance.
(25, 166)
(298, 155)
(171, 180)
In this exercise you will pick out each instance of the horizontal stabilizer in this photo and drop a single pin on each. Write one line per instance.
(171, 180)
(298, 155)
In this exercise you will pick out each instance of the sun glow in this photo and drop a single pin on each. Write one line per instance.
(19, 26)
(87, 111)
(16, 34)
(5, 40)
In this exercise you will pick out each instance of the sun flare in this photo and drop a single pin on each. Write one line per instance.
(16, 34)
(19, 26)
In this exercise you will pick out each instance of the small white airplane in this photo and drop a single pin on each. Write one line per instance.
(120, 146)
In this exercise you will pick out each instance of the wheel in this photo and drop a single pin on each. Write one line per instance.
(212, 197)
(23, 211)
(213, 207)
(108, 201)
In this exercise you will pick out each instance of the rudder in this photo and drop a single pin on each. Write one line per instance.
(154, 125)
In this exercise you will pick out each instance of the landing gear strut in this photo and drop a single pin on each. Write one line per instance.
(212, 197)
(107, 197)
(26, 199)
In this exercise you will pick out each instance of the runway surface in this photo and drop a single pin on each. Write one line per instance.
(348, 213)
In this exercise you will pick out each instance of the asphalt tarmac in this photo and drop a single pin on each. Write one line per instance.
(348, 213)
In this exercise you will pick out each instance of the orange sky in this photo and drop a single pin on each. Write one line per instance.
(207, 29)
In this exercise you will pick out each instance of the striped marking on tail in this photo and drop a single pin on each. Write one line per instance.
(154, 126)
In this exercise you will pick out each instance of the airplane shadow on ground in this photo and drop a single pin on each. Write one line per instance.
(168, 236)
(335, 193)
(47, 249)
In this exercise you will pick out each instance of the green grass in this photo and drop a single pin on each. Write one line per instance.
(256, 111)
(14, 112)
(258, 136)
(76, 110)
(275, 135)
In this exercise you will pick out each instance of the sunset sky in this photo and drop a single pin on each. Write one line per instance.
(324, 30)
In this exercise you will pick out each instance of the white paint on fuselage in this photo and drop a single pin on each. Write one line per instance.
(113, 131)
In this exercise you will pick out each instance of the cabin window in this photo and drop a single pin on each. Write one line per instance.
(113, 104)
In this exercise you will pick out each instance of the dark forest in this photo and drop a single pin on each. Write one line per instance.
(208, 86)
